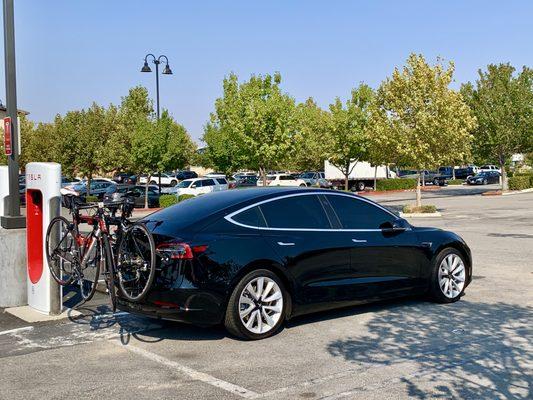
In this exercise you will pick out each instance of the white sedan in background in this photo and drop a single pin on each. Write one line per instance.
(281, 180)
(198, 186)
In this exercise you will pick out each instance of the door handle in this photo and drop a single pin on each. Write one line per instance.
(359, 240)
(286, 243)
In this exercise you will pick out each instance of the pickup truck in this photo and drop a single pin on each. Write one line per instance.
(432, 177)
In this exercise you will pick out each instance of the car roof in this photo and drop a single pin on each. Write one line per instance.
(193, 214)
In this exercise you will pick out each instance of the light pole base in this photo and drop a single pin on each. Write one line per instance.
(9, 222)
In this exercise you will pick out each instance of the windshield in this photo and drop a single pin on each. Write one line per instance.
(184, 184)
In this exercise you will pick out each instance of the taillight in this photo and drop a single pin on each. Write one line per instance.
(179, 250)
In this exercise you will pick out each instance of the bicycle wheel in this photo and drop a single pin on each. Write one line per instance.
(90, 271)
(136, 262)
(62, 252)
(110, 272)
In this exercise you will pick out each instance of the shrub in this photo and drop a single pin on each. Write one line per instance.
(167, 200)
(429, 208)
(396, 184)
(455, 182)
(185, 197)
(91, 199)
(520, 182)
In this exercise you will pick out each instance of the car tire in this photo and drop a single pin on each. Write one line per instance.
(152, 183)
(485, 182)
(448, 285)
(250, 324)
(173, 183)
(303, 185)
(435, 182)
(360, 186)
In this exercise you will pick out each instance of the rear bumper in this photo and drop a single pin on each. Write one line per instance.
(192, 306)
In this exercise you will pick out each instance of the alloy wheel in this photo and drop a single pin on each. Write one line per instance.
(452, 276)
(260, 305)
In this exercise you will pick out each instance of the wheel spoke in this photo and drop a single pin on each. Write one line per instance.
(267, 290)
(260, 283)
(247, 311)
(269, 321)
(275, 296)
(259, 321)
(250, 289)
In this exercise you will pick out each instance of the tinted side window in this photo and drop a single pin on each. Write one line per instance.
(358, 214)
(295, 212)
(285, 178)
(208, 182)
(251, 217)
(222, 181)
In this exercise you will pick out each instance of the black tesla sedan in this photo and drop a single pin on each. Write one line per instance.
(253, 258)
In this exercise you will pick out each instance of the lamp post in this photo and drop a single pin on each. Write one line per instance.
(13, 219)
(166, 71)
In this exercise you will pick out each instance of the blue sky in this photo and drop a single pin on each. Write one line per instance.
(70, 53)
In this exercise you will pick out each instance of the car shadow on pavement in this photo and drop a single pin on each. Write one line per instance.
(98, 317)
(461, 350)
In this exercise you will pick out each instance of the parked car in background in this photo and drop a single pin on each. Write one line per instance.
(98, 188)
(246, 181)
(239, 175)
(167, 179)
(119, 192)
(484, 178)
(65, 181)
(488, 167)
(185, 174)
(465, 172)
(282, 180)
(125, 178)
(428, 177)
(198, 186)
(215, 175)
(446, 172)
(315, 179)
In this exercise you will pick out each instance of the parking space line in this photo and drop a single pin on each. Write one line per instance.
(192, 373)
(16, 330)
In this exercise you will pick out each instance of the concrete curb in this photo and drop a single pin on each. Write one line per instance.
(420, 215)
(28, 314)
(508, 193)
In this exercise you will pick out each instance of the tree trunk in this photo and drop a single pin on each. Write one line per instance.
(346, 182)
(262, 172)
(146, 192)
(453, 172)
(504, 183)
(89, 178)
(418, 192)
(375, 177)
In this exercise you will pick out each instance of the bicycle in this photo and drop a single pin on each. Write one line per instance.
(76, 257)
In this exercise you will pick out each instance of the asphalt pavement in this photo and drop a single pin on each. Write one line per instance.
(480, 347)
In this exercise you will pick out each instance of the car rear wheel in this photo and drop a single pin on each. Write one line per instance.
(448, 277)
(173, 183)
(257, 306)
(360, 186)
(485, 181)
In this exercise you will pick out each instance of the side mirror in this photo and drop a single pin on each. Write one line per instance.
(193, 186)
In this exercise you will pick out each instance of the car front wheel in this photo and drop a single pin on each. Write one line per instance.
(448, 277)
(257, 306)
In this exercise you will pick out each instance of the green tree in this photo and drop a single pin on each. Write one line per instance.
(349, 141)
(158, 145)
(312, 138)
(502, 102)
(255, 120)
(418, 121)
(135, 108)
